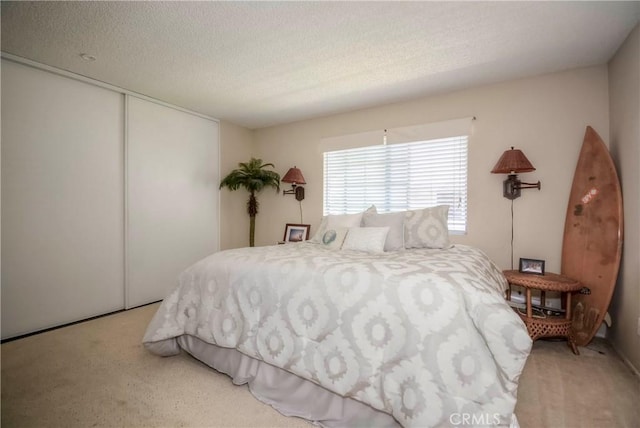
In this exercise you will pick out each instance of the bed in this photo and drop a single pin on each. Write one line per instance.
(414, 338)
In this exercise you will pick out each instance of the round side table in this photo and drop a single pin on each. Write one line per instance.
(546, 325)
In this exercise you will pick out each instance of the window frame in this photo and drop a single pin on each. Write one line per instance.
(393, 189)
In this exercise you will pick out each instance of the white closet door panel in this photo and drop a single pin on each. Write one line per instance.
(172, 196)
(62, 200)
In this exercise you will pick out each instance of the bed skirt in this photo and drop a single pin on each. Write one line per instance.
(288, 393)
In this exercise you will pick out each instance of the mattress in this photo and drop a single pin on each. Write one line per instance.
(418, 337)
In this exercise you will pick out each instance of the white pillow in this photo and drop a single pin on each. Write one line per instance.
(395, 222)
(340, 220)
(344, 220)
(317, 237)
(333, 238)
(427, 228)
(369, 239)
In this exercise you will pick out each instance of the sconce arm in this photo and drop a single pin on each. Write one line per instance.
(523, 185)
(298, 191)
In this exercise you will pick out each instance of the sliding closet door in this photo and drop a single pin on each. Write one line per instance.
(172, 196)
(62, 200)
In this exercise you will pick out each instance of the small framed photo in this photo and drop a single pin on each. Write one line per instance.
(296, 232)
(532, 266)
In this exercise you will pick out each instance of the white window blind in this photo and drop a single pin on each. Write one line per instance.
(398, 177)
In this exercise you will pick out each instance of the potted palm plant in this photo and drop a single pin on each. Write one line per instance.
(254, 177)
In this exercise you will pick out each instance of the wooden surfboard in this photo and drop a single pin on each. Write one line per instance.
(592, 243)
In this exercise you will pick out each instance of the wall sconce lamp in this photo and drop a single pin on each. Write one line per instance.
(295, 177)
(513, 162)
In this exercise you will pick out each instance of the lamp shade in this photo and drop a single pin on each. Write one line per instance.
(294, 176)
(512, 162)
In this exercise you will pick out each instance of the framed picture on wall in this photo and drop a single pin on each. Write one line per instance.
(532, 266)
(296, 232)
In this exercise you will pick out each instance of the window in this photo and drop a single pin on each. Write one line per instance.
(398, 177)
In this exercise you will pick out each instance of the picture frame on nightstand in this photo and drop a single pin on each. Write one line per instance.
(296, 232)
(532, 266)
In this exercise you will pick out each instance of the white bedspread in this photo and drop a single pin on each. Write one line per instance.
(424, 335)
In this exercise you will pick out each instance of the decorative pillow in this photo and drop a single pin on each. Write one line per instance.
(317, 237)
(371, 210)
(333, 238)
(369, 239)
(395, 222)
(340, 220)
(344, 220)
(427, 228)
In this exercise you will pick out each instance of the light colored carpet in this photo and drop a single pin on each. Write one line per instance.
(98, 374)
(593, 389)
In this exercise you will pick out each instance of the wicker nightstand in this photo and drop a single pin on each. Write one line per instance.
(546, 325)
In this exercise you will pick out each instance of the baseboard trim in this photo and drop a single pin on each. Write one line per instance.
(627, 362)
(33, 333)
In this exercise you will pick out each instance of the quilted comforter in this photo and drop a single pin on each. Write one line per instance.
(424, 335)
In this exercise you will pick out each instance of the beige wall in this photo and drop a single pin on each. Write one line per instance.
(544, 116)
(236, 145)
(624, 88)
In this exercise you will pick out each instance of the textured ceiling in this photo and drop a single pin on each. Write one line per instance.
(264, 63)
